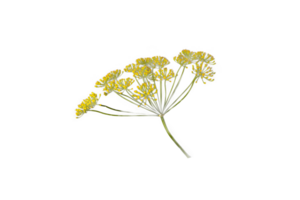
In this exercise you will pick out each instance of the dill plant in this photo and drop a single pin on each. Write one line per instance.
(151, 77)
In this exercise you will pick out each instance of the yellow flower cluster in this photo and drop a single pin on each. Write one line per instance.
(162, 74)
(203, 72)
(182, 60)
(145, 92)
(141, 72)
(113, 75)
(160, 61)
(87, 104)
(123, 84)
(130, 67)
(109, 87)
(154, 62)
(186, 57)
(118, 85)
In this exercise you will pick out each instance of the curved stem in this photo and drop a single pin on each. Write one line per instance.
(164, 123)
(122, 115)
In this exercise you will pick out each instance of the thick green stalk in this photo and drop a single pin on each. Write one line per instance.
(165, 125)
(160, 96)
(174, 88)
(189, 87)
(130, 100)
(121, 115)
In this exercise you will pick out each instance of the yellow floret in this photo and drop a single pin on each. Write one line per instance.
(87, 104)
(111, 75)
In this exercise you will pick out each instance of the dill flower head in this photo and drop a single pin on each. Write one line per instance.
(87, 104)
(123, 84)
(109, 87)
(188, 54)
(160, 61)
(113, 75)
(206, 57)
(180, 59)
(143, 73)
(163, 75)
(130, 67)
(203, 72)
(154, 62)
(146, 91)
(199, 56)
(145, 62)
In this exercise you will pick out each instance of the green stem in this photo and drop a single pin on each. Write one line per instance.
(155, 105)
(178, 102)
(165, 96)
(116, 109)
(130, 100)
(121, 115)
(130, 93)
(189, 87)
(137, 82)
(160, 97)
(164, 123)
(174, 88)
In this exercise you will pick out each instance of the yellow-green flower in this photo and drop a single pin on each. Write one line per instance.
(203, 72)
(180, 59)
(130, 67)
(146, 91)
(208, 58)
(109, 87)
(113, 75)
(160, 61)
(141, 72)
(199, 56)
(144, 61)
(87, 104)
(123, 84)
(163, 74)
(154, 62)
(188, 54)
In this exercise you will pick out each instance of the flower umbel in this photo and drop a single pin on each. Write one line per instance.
(143, 73)
(123, 84)
(154, 62)
(203, 72)
(199, 56)
(87, 104)
(130, 67)
(113, 75)
(146, 91)
(146, 87)
(180, 59)
(160, 61)
(163, 75)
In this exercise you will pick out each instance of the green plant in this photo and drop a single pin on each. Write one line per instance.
(148, 73)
